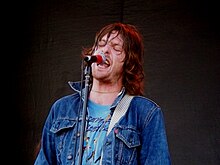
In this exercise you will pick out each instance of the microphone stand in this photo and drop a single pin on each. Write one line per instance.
(87, 73)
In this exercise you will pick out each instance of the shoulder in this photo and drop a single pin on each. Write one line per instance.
(142, 101)
(146, 110)
(65, 104)
(65, 107)
(145, 107)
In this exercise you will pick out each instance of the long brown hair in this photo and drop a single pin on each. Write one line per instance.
(133, 72)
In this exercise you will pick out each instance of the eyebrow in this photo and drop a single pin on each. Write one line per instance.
(114, 42)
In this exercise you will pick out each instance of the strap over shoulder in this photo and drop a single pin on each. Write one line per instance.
(119, 111)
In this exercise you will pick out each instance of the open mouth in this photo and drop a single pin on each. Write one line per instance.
(105, 64)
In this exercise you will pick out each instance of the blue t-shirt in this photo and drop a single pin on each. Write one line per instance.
(96, 129)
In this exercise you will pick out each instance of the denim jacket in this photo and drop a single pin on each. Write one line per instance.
(139, 137)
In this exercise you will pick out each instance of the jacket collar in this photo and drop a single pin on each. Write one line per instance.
(79, 87)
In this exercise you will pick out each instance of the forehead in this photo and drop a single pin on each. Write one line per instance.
(113, 36)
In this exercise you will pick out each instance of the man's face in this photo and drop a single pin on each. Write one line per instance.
(112, 70)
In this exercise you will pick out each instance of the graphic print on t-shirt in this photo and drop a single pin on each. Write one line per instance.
(97, 126)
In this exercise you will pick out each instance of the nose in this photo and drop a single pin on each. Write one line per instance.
(106, 49)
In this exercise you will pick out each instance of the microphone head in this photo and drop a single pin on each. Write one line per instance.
(99, 58)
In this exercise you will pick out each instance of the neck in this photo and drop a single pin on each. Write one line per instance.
(105, 92)
(103, 97)
(106, 86)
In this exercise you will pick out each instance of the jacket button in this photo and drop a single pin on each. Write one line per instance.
(69, 157)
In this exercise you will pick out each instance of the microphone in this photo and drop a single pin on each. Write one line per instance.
(99, 59)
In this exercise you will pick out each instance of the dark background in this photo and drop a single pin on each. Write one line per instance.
(182, 46)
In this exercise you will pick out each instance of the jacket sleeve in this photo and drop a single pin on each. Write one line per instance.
(154, 149)
(46, 155)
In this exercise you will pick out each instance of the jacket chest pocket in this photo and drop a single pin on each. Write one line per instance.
(61, 125)
(65, 139)
(126, 143)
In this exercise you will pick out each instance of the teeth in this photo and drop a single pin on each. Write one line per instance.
(107, 62)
